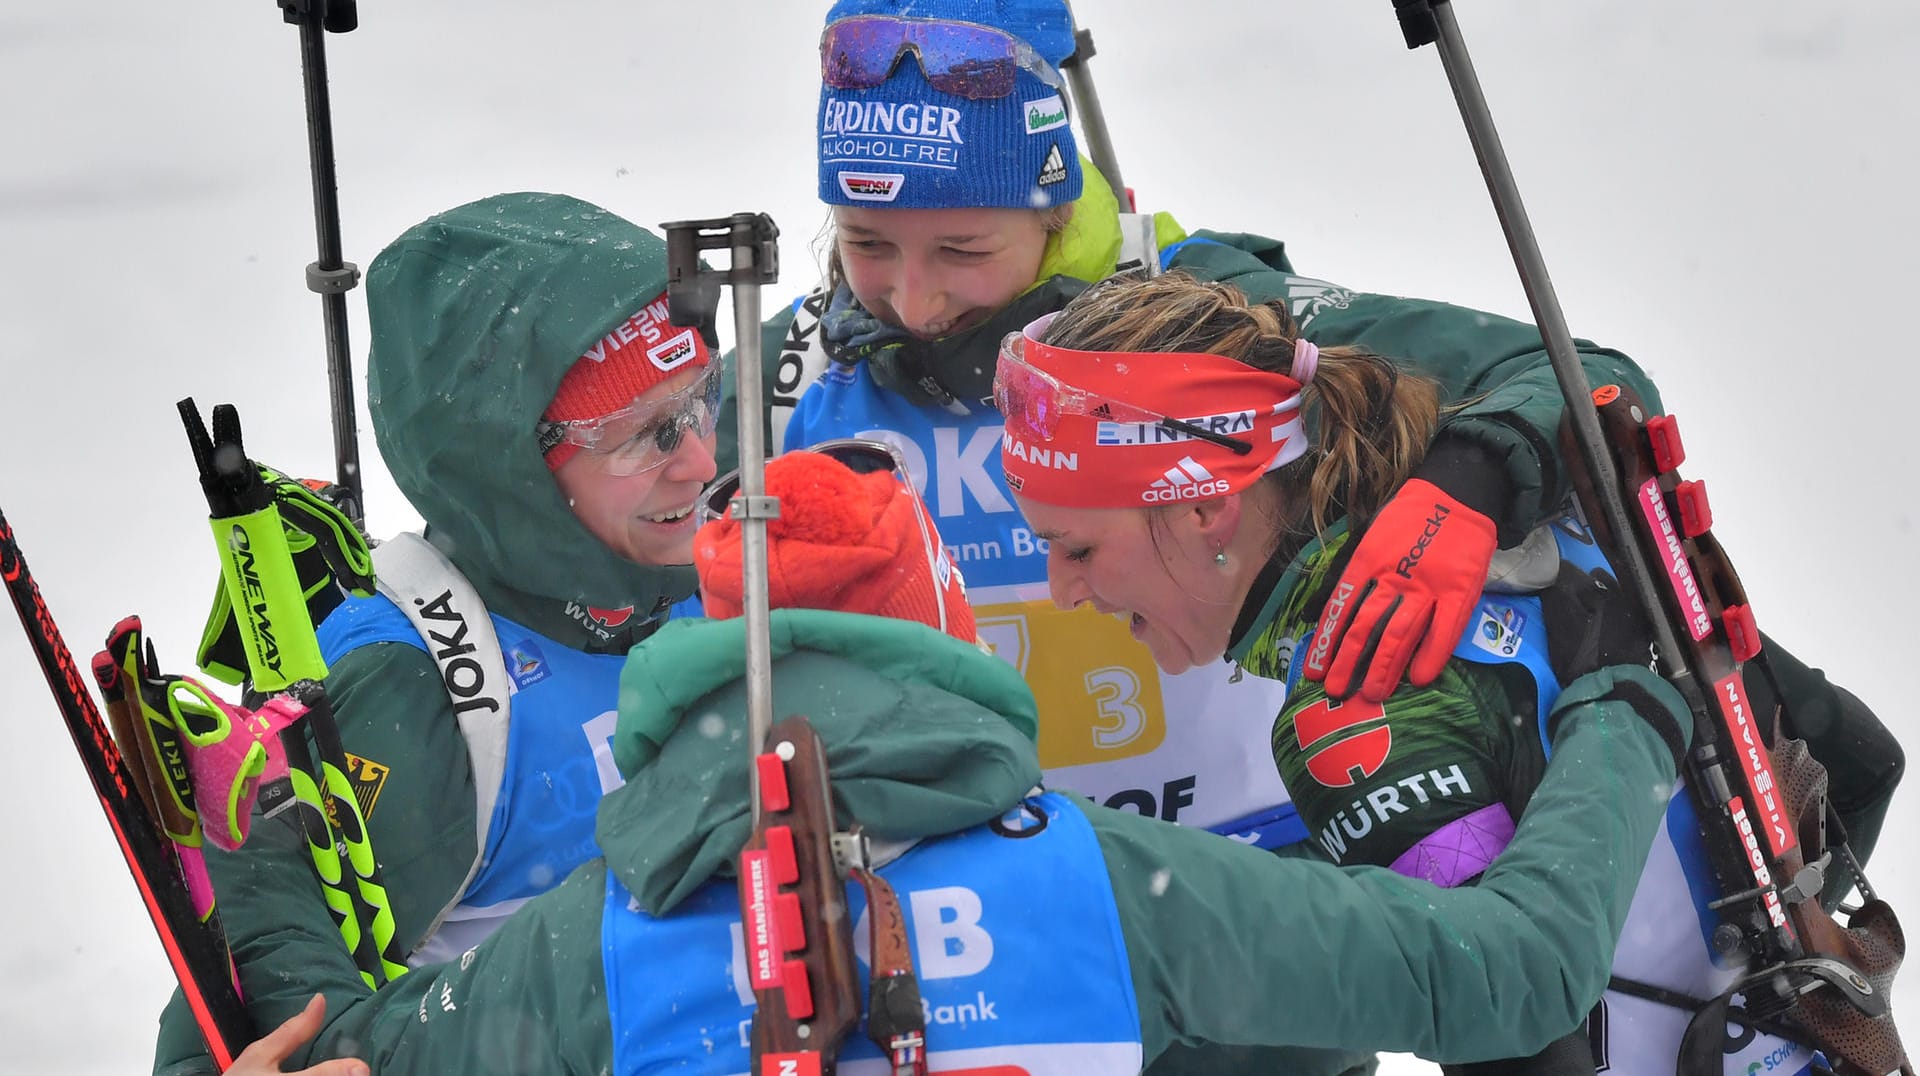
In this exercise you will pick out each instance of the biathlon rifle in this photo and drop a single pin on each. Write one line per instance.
(795, 919)
(1139, 239)
(1763, 805)
(1772, 837)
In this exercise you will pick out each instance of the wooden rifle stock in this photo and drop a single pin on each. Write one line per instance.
(1761, 799)
(798, 936)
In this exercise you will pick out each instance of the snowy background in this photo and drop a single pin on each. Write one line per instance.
(1727, 199)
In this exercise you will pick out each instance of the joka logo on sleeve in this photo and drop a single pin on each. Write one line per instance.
(872, 186)
(1046, 114)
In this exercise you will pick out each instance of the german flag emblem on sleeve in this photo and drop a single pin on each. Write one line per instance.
(367, 778)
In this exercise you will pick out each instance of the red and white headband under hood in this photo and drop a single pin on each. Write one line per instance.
(1103, 429)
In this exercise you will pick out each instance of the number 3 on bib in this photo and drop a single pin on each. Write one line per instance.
(1116, 695)
(1097, 688)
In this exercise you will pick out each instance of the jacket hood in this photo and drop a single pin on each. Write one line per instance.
(1088, 248)
(924, 735)
(476, 314)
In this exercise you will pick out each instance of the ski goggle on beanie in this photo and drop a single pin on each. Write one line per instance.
(602, 405)
(1081, 432)
(939, 114)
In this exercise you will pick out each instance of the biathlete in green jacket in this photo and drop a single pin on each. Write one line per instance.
(1245, 556)
(554, 432)
(1046, 932)
(962, 210)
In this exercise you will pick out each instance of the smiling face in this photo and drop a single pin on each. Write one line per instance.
(648, 517)
(1156, 567)
(934, 272)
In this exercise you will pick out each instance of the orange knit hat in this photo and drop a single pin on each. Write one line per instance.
(627, 360)
(858, 543)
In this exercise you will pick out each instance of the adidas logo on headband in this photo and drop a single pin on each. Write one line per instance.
(1185, 481)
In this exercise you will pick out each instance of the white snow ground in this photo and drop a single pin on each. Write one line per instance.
(1726, 198)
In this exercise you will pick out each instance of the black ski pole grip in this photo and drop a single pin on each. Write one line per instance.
(1417, 24)
(341, 16)
(333, 16)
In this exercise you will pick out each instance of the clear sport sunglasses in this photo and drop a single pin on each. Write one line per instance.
(644, 434)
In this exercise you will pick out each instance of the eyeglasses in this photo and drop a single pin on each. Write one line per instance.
(1033, 401)
(961, 58)
(644, 434)
(861, 457)
(857, 455)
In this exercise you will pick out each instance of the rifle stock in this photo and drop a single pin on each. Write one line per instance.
(1760, 796)
(797, 932)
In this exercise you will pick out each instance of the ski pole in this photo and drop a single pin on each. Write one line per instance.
(331, 277)
(198, 959)
(153, 744)
(283, 653)
(1432, 22)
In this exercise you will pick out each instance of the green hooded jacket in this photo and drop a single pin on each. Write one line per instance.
(477, 313)
(926, 735)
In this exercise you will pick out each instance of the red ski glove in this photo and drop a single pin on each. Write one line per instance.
(1405, 596)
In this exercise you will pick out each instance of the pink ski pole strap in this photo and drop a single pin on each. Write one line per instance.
(231, 751)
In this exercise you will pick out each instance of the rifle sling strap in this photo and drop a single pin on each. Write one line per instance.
(895, 1021)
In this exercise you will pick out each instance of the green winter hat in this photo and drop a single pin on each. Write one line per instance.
(477, 314)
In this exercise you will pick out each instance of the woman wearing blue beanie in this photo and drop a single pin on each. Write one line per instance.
(962, 211)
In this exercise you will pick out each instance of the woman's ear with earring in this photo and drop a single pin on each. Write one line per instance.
(1217, 519)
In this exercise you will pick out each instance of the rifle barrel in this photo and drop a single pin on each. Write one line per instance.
(1552, 323)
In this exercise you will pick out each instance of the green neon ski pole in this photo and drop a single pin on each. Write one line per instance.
(283, 653)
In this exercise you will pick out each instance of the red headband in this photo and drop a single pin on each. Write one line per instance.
(1077, 437)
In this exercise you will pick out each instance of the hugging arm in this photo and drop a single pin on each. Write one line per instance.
(1233, 945)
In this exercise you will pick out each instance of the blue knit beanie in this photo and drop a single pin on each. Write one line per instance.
(907, 145)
